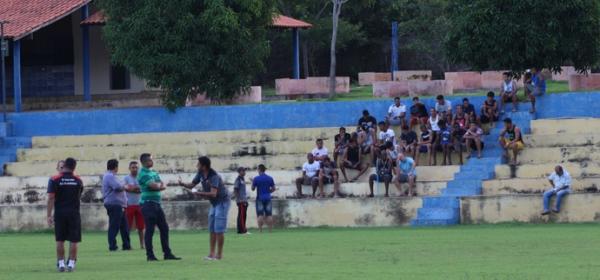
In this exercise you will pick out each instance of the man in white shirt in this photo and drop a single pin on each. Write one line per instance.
(320, 152)
(386, 134)
(443, 106)
(473, 139)
(561, 186)
(396, 115)
(310, 175)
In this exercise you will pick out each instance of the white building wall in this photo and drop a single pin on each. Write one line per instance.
(99, 63)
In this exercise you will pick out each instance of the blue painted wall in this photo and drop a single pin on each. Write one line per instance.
(266, 116)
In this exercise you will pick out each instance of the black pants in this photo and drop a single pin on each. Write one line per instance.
(117, 222)
(241, 218)
(155, 217)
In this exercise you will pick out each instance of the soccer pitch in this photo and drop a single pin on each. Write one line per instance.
(560, 251)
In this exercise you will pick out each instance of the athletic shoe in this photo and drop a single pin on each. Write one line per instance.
(247, 233)
(71, 266)
(152, 259)
(545, 213)
(171, 257)
(555, 211)
(60, 266)
(209, 258)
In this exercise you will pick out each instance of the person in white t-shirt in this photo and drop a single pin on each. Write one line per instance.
(560, 180)
(320, 152)
(310, 175)
(396, 115)
(386, 134)
(508, 92)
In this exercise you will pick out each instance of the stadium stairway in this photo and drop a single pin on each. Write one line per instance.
(9, 145)
(444, 210)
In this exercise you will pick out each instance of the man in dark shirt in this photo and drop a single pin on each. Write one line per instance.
(367, 121)
(408, 141)
(341, 142)
(418, 113)
(468, 109)
(64, 194)
(214, 190)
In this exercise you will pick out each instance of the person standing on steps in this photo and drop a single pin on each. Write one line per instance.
(264, 186)
(511, 140)
(215, 191)
(561, 186)
(115, 202)
(241, 199)
(64, 196)
(151, 186)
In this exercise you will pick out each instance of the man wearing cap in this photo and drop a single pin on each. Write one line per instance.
(561, 186)
(241, 199)
(264, 186)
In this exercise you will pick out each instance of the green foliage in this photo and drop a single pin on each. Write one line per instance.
(516, 35)
(188, 47)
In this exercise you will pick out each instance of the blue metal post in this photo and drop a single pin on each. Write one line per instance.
(85, 38)
(394, 66)
(296, 35)
(17, 74)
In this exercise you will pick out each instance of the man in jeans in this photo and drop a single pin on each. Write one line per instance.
(561, 186)
(115, 202)
(241, 199)
(215, 191)
(151, 185)
(264, 186)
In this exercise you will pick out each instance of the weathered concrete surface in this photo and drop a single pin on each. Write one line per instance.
(577, 207)
(580, 82)
(564, 75)
(188, 138)
(310, 85)
(559, 155)
(254, 95)
(368, 78)
(491, 79)
(530, 185)
(405, 75)
(412, 88)
(287, 213)
(565, 126)
(583, 169)
(565, 140)
(464, 80)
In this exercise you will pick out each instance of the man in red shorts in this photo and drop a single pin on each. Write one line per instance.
(133, 212)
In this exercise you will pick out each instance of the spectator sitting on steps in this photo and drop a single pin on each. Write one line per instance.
(353, 159)
(513, 141)
(406, 173)
(384, 173)
(489, 110)
(341, 142)
(508, 92)
(561, 186)
(473, 139)
(418, 113)
(310, 175)
(320, 152)
(396, 115)
(328, 175)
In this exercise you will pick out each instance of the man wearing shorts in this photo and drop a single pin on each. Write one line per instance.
(396, 113)
(328, 175)
(474, 139)
(418, 113)
(310, 175)
(320, 152)
(425, 143)
(64, 195)
(241, 199)
(443, 107)
(406, 172)
(353, 159)
(264, 186)
(508, 92)
(215, 191)
(341, 142)
(383, 170)
(408, 141)
(151, 185)
(133, 212)
(511, 140)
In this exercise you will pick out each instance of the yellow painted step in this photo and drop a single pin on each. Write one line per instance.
(533, 185)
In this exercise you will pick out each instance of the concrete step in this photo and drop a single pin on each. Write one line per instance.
(437, 222)
(564, 140)
(576, 169)
(441, 202)
(189, 138)
(460, 192)
(566, 126)
(534, 185)
(559, 155)
(473, 175)
(460, 183)
(438, 213)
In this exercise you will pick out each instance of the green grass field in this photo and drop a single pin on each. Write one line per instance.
(560, 251)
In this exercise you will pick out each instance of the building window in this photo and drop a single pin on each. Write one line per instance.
(119, 77)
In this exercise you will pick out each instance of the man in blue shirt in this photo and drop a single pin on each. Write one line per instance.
(264, 186)
(406, 173)
(115, 202)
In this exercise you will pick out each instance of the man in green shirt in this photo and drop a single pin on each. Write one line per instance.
(151, 185)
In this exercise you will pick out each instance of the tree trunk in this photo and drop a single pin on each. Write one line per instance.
(337, 8)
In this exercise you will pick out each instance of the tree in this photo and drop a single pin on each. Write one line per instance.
(490, 34)
(335, 17)
(188, 47)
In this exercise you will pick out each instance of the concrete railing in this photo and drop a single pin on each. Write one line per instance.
(580, 82)
(310, 85)
(368, 78)
(412, 88)
(254, 95)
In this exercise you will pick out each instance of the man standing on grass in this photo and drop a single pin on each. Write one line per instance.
(264, 186)
(64, 195)
(115, 201)
(133, 212)
(561, 186)
(214, 190)
(151, 185)
(241, 199)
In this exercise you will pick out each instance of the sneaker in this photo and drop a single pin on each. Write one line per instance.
(152, 259)
(248, 233)
(555, 211)
(71, 266)
(171, 257)
(209, 258)
(545, 213)
(60, 266)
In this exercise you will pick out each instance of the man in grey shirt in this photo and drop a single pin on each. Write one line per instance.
(115, 201)
(239, 188)
(133, 212)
